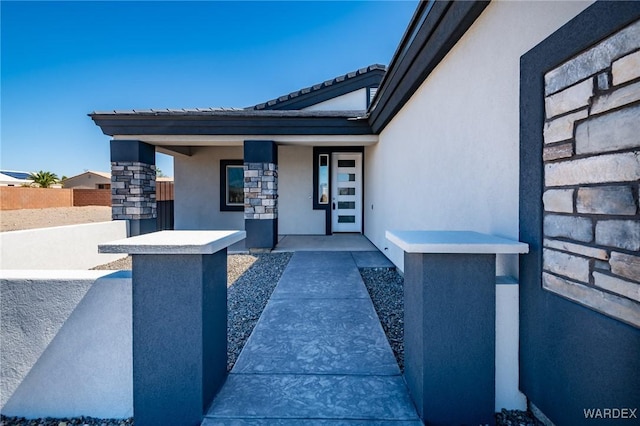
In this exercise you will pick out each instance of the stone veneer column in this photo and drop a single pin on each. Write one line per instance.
(261, 194)
(133, 185)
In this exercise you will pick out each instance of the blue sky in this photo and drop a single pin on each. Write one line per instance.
(63, 60)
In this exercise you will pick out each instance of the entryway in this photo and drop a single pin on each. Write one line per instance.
(346, 192)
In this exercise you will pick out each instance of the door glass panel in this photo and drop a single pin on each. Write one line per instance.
(346, 177)
(346, 191)
(346, 205)
(346, 163)
(346, 219)
(323, 179)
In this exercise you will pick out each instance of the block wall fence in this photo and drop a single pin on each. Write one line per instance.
(591, 160)
(17, 197)
(91, 197)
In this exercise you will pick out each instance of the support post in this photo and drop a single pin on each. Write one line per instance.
(261, 194)
(133, 185)
(449, 336)
(450, 320)
(179, 322)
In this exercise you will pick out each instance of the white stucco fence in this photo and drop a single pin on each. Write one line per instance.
(61, 247)
(66, 346)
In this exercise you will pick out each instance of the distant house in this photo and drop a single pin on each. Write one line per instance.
(89, 180)
(97, 180)
(14, 178)
(510, 118)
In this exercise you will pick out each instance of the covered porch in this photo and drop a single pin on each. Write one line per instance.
(293, 165)
(285, 185)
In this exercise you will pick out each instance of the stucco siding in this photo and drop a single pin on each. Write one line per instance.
(67, 247)
(449, 159)
(66, 344)
(197, 190)
(352, 101)
(295, 192)
(87, 181)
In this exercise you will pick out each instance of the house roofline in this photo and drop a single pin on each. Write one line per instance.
(435, 28)
(231, 122)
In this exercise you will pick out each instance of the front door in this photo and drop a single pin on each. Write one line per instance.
(346, 192)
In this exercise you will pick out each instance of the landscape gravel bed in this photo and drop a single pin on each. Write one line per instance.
(386, 289)
(251, 280)
(76, 421)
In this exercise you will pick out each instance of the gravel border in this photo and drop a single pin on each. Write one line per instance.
(386, 289)
(76, 421)
(252, 279)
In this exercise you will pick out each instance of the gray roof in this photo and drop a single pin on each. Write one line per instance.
(366, 77)
(229, 112)
(169, 111)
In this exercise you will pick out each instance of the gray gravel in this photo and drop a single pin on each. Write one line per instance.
(76, 421)
(386, 288)
(255, 278)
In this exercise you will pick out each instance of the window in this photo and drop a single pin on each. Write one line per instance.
(323, 179)
(231, 185)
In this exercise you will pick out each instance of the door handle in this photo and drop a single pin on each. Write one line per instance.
(334, 205)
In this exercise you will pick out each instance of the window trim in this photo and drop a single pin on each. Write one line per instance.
(224, 206)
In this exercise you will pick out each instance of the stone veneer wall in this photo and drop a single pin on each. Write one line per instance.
(133, 191)
(260, 191)
(591, 160)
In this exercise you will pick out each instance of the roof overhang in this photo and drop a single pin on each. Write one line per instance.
(222, 122)
(435, 28)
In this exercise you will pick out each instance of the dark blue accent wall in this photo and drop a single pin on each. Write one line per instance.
(133, 150)
(571, 357)
(261, 233)
(180, 336)
(260, 152)
(449, 336)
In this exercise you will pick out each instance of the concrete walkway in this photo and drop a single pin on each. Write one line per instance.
(317, 355)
